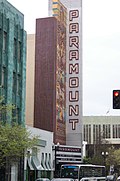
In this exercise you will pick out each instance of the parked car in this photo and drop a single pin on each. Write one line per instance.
(42, 179)
(62, 179)
(118, 178)
(110, 177)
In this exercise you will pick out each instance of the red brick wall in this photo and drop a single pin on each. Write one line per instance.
(45, 74)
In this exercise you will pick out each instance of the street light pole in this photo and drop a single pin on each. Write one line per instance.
(104, 154)
(55, 160)
(56, 149)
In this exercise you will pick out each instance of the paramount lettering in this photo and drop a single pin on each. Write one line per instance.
(74, 45)
(73, 110)
(74, 122)
(73, 14)
(74, 41)
(73, 55)
(73, 96)
(74, 68)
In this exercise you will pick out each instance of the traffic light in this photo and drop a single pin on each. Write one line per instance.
(116, 99)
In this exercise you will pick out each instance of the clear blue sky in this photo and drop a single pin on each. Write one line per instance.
(101, 49)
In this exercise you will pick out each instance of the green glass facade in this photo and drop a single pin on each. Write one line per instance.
(13, 60)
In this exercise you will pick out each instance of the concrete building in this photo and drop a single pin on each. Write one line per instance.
(13, 68)
(13, 58)
(107, 127)
(39, 160)
(100, 134)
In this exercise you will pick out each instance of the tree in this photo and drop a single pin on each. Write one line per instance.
(111, 156)
(86, 160)
(114, 158)
(14, 140)
(117, 156)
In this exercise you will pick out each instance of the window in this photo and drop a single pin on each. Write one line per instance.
(4, 41)
(3, 77)
(18, 115)
(97, 134)
(0, 41)
(18, 84)
(87, 133)
(106, 131)
(14, 82)
(19, 51)
(116, 131)
(15, 48)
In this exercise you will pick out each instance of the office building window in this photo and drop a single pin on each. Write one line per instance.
(14, 82)
(116, 131)
(19, 51)
(4, 41)
(0, 41)
(3, 77)
(18, 84)
(87, 133)
(15, 48)
(97, 134)
(106, 131)
(18, 115)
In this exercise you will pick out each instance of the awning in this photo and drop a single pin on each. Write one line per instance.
(29, 164)
(47, 163)
(36, 163)
(47, 166)
(43, 164)
(50, 166)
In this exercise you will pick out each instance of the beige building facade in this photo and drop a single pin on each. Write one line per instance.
(106, 127)
(30, 71)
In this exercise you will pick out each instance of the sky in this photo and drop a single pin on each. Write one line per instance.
(101, 49)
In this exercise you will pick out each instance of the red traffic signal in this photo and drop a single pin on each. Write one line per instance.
(116, 93)
(116, 99)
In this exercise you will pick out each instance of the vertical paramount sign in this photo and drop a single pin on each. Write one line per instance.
(74, 76)
(73, 67)
(73, 84)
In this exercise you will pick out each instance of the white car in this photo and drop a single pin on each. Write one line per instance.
(110, 177)
(62, 179)
(118, 178)
(42, 179)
